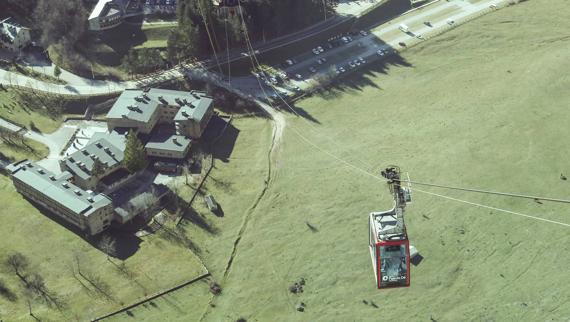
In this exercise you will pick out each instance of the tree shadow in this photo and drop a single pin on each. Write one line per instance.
(219, 211)
(361, 77)
(292, 108)
(179, 236)
(192, 216)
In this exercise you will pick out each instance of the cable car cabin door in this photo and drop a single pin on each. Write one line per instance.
(393, 263)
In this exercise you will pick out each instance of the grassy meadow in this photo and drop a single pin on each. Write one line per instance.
(484, 105)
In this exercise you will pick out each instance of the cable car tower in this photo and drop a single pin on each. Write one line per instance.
(388, 242)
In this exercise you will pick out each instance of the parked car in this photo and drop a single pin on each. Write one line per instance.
(298, 76)
(290, 62)
(450, 21)
(312, 69)
(401, 43)
(351, 64)
(380, 52)
(315, 51)
(320, 49)
(361, 60)
(321, 61)
(345, 40)
(363, 32)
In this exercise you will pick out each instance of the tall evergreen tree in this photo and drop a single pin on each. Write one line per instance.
(97, 168)
(135, 156)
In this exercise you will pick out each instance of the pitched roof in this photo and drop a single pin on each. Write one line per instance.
(81, 162)
(103, 8)
(195, 110)
(134, 106)
(176, 143)
(139, 105)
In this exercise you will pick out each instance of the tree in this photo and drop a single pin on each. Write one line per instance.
(18, 264)
(56, 71)
(60, 21)
(183, 43)
(98, 168)
(108, 245)
(143, 60)
(135, 156)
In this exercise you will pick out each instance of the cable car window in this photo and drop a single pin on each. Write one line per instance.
(393, 265)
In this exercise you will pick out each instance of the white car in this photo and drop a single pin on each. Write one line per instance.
(315, 51)
(450, 21)
(312, 69)
(363, 32)
(290, 62)
(320, 49)
(351, 64)
(361, 60)
(321, 61)
(380, 52)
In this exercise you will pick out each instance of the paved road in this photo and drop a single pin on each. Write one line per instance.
(77, 85)
(387, 37)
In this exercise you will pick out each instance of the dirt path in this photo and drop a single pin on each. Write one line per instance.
(279, 124)
(277, 135)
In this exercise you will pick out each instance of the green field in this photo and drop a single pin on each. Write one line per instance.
(13, 108)
(235, 183)
(17, 151)
(484, 105)
(155, 263)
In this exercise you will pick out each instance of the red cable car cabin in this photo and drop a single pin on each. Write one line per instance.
(390, 248)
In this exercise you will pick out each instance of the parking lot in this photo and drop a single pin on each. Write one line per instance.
(351, 51)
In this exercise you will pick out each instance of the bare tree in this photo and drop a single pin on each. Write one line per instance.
(108, 245)
(18, 263)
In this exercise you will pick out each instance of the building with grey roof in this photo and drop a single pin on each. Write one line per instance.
(13, 36)
(90, 212)
(108, 14)
(192, 119)
(143, 110)
(168, 146)
(106, 149)
(81, 164)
